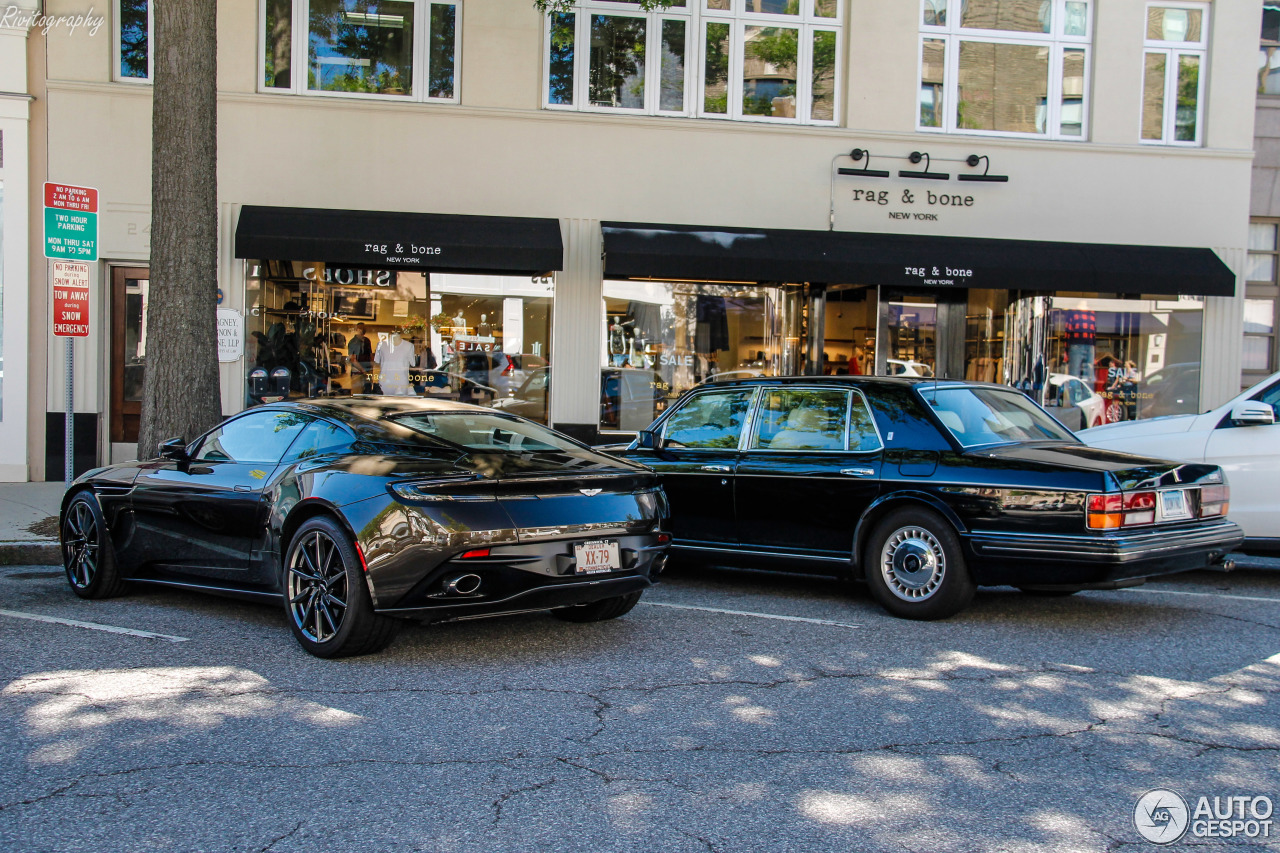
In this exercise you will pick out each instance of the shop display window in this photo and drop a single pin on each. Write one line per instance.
(849, 342)
(1100, 358)
(320, 330)
(663, 338)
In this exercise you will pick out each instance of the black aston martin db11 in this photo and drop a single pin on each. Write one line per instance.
(352, 512)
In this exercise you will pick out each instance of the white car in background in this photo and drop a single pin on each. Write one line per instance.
(1067, 390)
(899, 367)
(1242, 436)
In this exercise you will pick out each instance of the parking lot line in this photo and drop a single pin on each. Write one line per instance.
(1202, 594)
(754, 615)
(110, 629)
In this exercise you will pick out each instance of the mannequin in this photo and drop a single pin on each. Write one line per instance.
(484, 330)
(394, 357)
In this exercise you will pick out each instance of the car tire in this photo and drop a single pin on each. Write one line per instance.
(599, 611)
(325, 597)
(1047, 593)
(914, 566)
(88, 556)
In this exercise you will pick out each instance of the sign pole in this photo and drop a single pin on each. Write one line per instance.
(69, 462)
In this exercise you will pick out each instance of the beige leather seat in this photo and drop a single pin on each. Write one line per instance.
(806, 429)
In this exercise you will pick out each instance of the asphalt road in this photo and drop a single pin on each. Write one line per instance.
(805, 720)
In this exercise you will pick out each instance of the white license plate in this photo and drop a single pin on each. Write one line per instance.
(1174, 505)
(599, 556)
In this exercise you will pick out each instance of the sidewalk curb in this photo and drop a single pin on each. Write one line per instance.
(35, 552)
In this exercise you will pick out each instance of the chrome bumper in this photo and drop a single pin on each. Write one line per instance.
(1110, 549)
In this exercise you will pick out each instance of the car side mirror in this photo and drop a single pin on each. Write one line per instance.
(1252, 413)
(648, 440)
(175, 449)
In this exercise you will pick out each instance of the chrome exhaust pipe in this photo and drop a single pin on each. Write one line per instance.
(467, 584)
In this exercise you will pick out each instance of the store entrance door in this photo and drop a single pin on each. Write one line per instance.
(129, 293)
(921, 333)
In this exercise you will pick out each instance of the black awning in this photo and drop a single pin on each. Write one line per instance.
(637, 250)
(426, 241)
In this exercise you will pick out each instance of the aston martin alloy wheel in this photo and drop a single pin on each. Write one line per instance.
(914, 565)
(325, 595)
(87, 554)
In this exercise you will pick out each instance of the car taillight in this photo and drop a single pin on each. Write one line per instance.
(1214, 500)
(511, 365)
(1111, 512)
(479, 552)
(1139, 508)
(1105, 512)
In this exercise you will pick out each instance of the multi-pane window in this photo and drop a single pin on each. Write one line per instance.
(1008, 67)
(1261, 292)
(392, 48)
(760, 60)
(1269, 58)
(133, 40)
(1172, 86)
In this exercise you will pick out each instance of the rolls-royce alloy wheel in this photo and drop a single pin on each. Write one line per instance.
(325, 594)
(87, 554)
(914, 566)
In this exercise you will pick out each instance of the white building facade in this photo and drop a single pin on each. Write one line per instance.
(577, 216)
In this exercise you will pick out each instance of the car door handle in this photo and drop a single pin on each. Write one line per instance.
(718, 469)
(241, 488)
(858, 472)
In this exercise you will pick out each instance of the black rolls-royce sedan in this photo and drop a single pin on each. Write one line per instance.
(351, 512)
(925, 489)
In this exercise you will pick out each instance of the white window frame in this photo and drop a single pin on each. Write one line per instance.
(116, 45)
(952, 34)
(421, 38)
(1171, 51)
(696, 18)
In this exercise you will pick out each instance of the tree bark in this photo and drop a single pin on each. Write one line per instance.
(180, 395)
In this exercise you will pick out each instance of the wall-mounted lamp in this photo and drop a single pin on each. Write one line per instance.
(974, 160)
(865, 172)
(916, 157)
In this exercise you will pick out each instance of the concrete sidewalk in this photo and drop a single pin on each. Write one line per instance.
(29, 523)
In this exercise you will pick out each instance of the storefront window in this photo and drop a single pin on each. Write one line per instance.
(663, 338)
(1099, 358)
(318, 330)
(849, 345)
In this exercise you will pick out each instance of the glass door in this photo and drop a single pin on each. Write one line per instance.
(921, 334)
(129, 294)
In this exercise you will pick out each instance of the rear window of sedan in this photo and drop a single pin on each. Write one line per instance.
(978, 416)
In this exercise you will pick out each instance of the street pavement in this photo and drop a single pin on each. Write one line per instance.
(730, 711)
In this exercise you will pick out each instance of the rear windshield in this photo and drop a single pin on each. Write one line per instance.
(977, 416)
(488, 433)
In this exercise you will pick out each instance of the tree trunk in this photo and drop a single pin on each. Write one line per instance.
(180, 395)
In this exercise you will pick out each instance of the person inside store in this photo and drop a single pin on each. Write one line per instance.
(360, 353)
